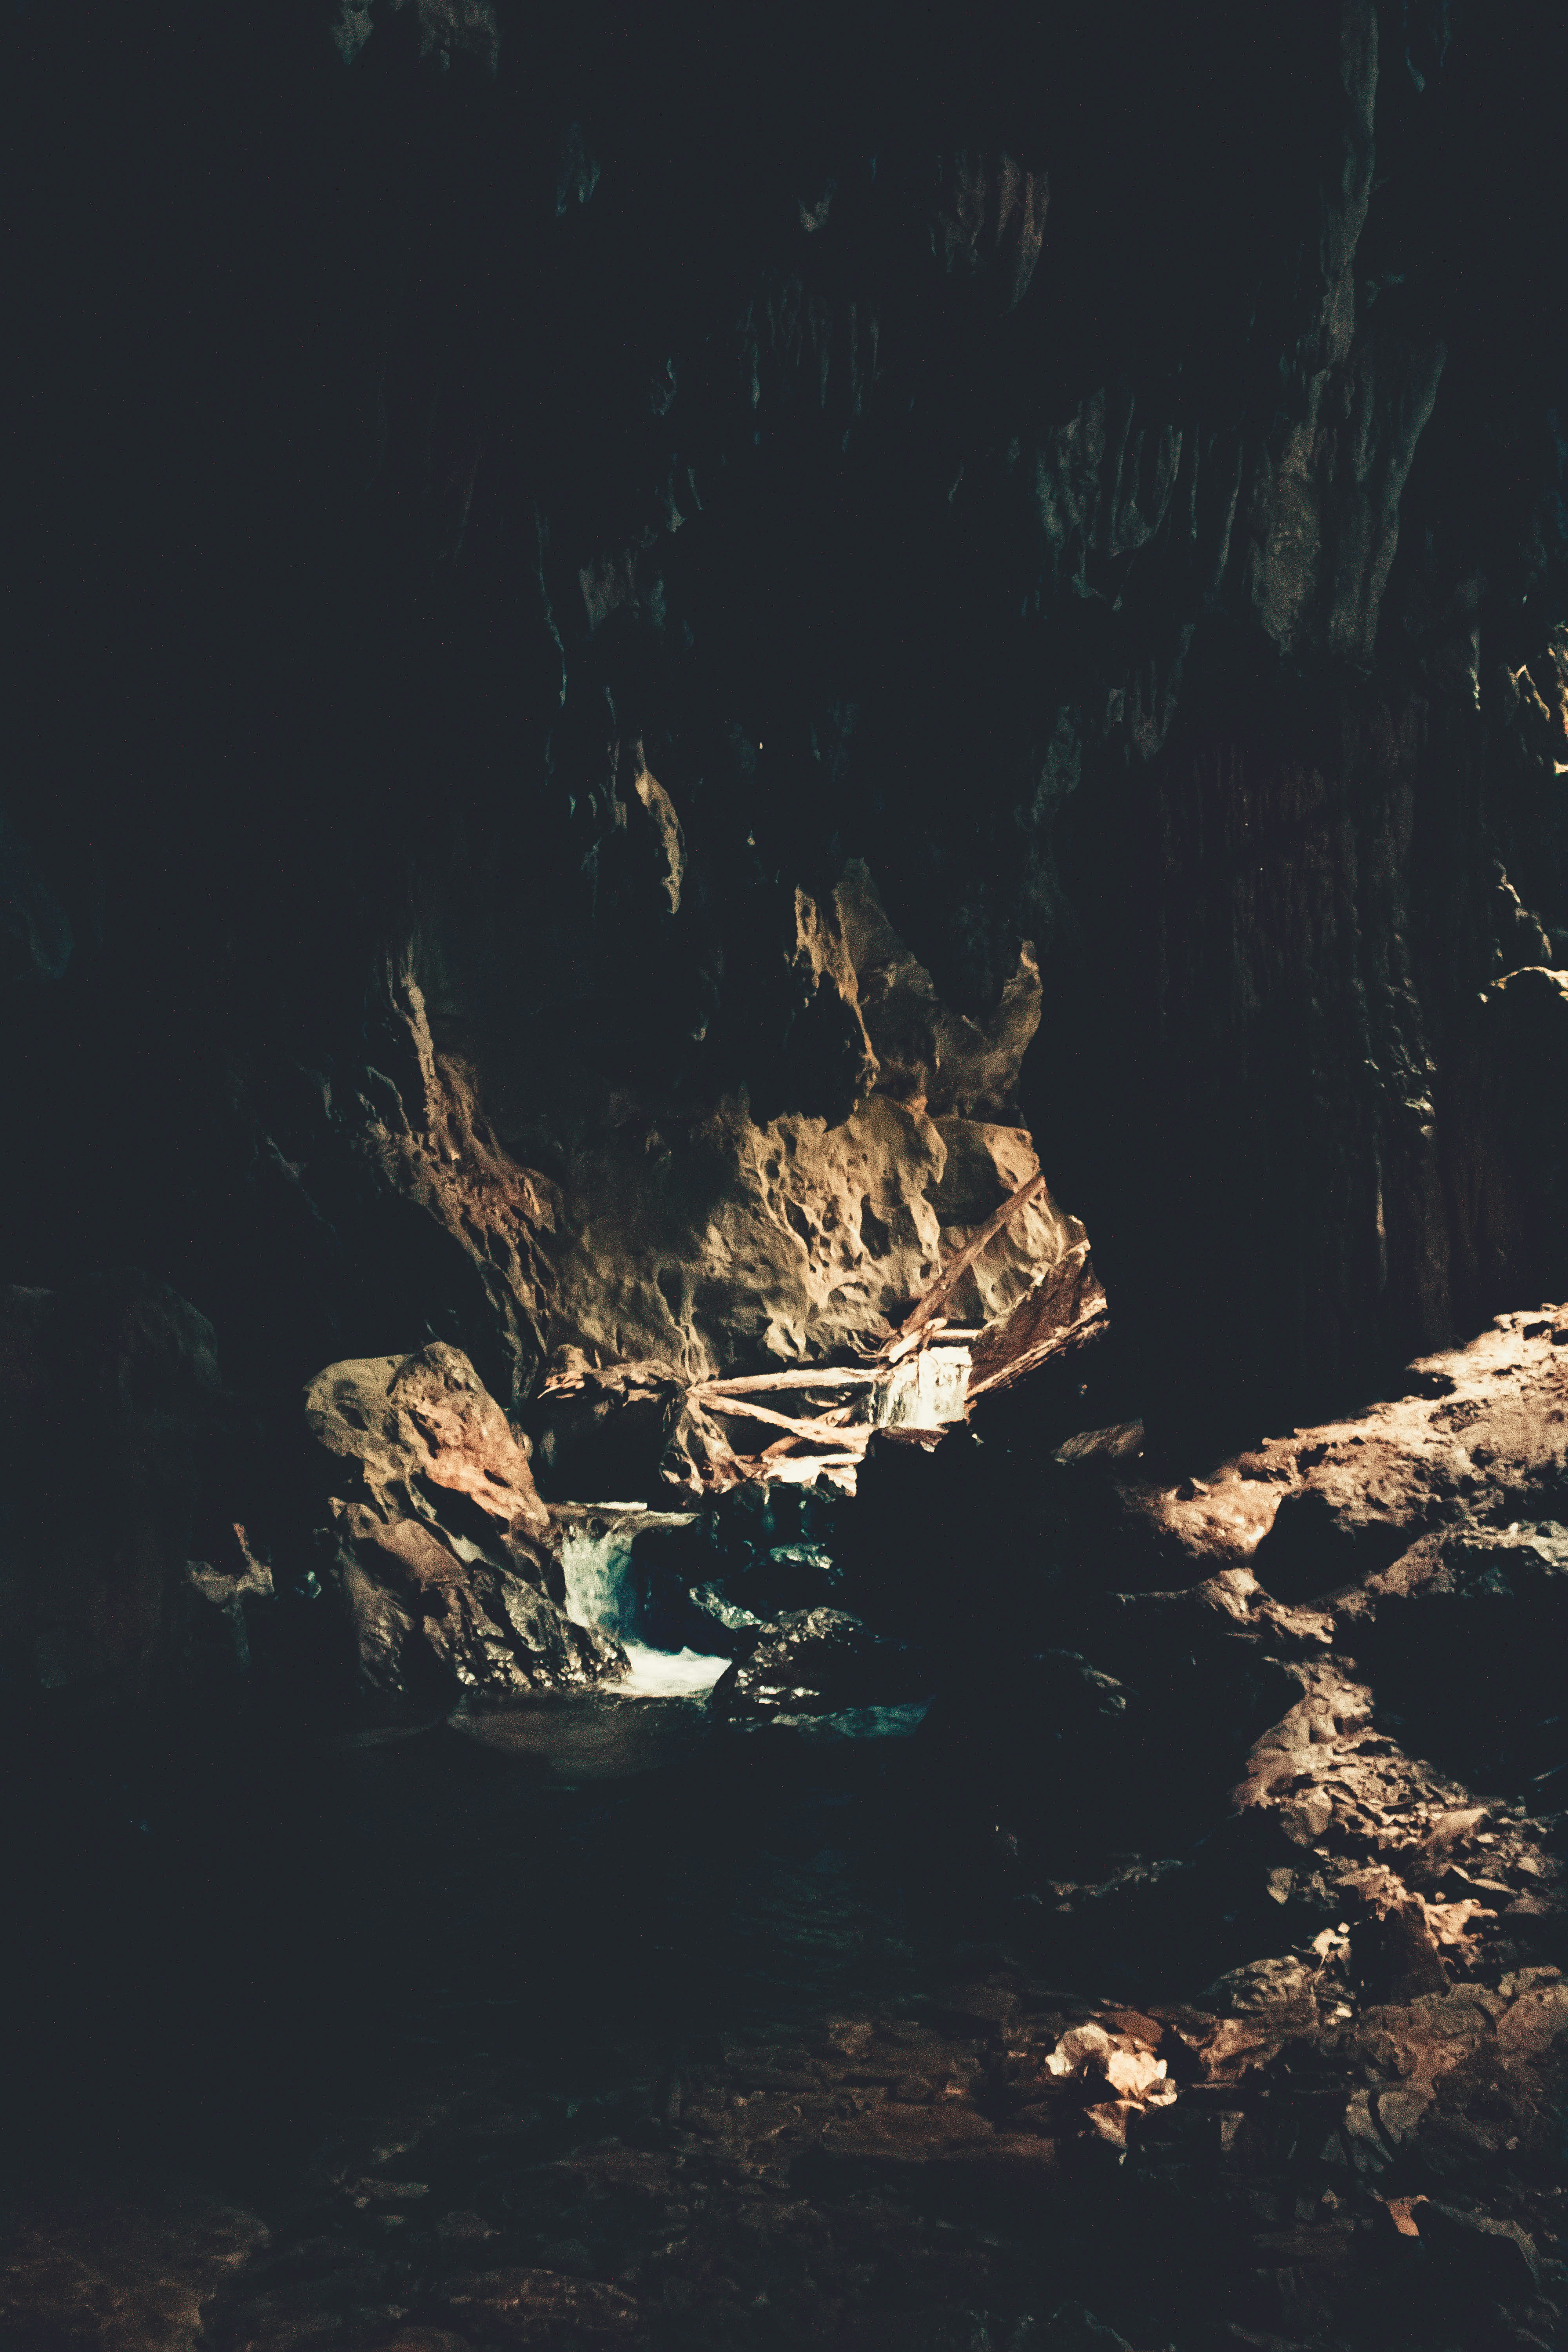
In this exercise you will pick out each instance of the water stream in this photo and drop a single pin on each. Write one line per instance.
(599, 1592)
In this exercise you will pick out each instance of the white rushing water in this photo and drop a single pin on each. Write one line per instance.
(598, 1594)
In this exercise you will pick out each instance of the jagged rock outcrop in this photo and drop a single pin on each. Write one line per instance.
(442, 1557)
(1478, 1438)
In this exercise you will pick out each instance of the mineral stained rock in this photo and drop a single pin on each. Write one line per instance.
(439, 1550)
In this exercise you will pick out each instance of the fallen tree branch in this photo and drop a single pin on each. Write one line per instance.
(829, 1376)
(946, 1282)
(779, 1420)
(768, 1459)
(1070, 1335)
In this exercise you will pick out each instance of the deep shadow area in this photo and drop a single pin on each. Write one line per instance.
(784, 912)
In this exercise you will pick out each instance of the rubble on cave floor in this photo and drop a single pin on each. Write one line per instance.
(997, 2166)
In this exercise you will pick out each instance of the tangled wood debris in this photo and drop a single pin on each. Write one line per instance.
(917, 1386)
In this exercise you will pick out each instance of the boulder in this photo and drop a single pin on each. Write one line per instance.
(431, 1613)
(786, 1579)
(1475, 1437)
(428, 1417)
(444, 1562)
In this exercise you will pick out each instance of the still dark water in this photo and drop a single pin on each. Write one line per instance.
(588, 2022)
(212, 1954)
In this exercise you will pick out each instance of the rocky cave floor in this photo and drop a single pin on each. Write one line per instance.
(1190, 1978)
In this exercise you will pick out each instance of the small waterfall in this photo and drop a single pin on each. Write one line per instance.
(599, 1592)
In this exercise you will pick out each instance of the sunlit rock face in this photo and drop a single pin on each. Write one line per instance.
(707, 1238)
(700, 569)
(545, 1208)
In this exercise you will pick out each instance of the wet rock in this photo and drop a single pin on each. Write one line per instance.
(816, 1662)
(726, 1617)
(787, 1580)
(704, 1584)
(429, 1615)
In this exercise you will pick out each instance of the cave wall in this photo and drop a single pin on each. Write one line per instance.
(516, 511)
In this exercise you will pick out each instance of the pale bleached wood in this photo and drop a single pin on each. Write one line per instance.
(796, 1428)
(830, 1376)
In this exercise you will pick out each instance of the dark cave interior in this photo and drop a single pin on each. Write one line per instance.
(784, 916)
